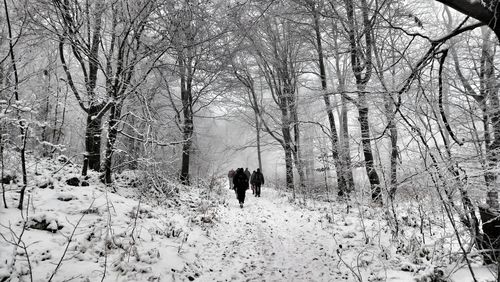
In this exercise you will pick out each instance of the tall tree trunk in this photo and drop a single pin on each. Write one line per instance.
(393, 136)
(287, 146)
(390, 117)
(44, 114)
(187, 111)
(133, 148)
(86, 51)
(289, 169)
(2, 132)
(345, 149)
(297, 148)
(309, 156)
(363, 62)
(2, 170)
(376, 192)
(22, 124)
(186, 152)
(489, 92)
(489, 175)
(393, 131)
(92, 157)
(489, 239)
(114, 119)
(341, 179)
(257, 131)
(297, 155)
(489, 234)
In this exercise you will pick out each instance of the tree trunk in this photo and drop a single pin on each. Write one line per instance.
(376, 191)
(24, 137)
(309, 156)
(287, 146)
(299, 163)
(390, 116)
(3, 167)
(187, 130)
(393, 136)
(92, 157)
(489, 89)
(186, 153)
(44, 114)
(297, 149)
(489, 175)
(22, 124)
(491, 232)
(133, 147)
(257, 129)
(289, 169)
(491, 113)
(341, 180)
(362, 62)
(114, 119)
(345, 149)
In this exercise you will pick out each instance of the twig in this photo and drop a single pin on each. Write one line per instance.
(25, 248)
(358, 277)
(135, 219)
(105, 263)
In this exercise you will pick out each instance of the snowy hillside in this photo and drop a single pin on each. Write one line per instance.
(87, 233)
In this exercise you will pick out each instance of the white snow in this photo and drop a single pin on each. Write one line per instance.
(203, 235)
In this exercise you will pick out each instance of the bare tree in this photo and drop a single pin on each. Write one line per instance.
(23, 125)
(81, 28)
(126, 50)
(107, 54)
(361, 61)
(277, 49)
(195, 44)
(344, 176)
(241, 69)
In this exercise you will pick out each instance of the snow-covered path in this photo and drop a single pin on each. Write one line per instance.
(268, 240)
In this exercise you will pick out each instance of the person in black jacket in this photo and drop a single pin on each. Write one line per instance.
(258, 180)
(240, 182)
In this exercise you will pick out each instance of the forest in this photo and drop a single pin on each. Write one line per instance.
(380, 114)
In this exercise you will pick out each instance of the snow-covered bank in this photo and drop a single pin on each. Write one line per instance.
(88, 233)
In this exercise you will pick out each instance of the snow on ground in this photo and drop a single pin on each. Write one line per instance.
(271, 239)
(268, 240)
(90, 233)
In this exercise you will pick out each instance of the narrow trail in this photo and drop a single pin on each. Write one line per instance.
(268, 240)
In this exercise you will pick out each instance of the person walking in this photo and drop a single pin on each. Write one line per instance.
(240, 182)
(230, 175)
(247, 173)
(258, 181)
(252, 182)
